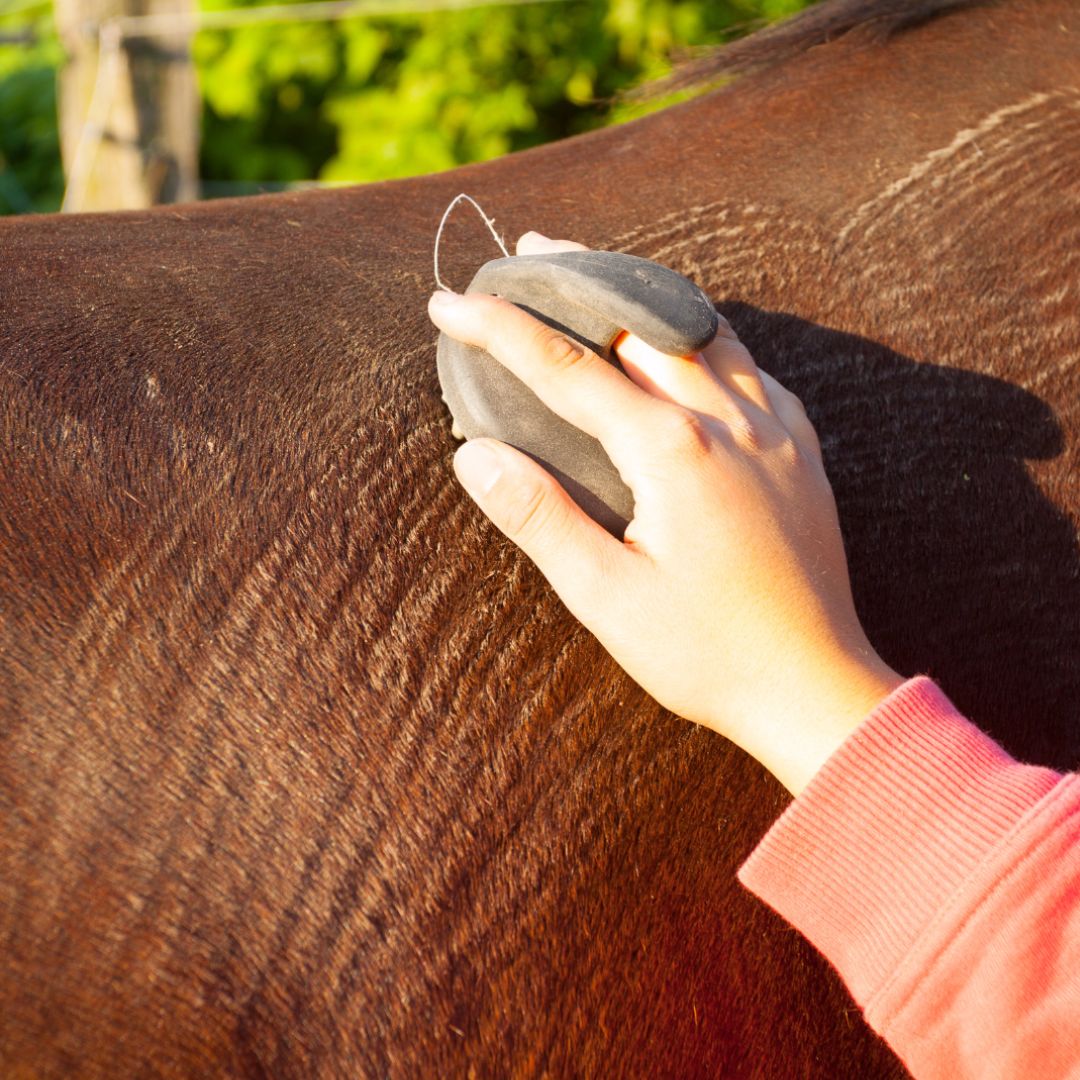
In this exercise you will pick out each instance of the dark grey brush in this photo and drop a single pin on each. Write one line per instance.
(591, 296)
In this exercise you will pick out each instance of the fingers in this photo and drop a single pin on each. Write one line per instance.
(530, 507)
(730, 361)
(687, 383)
(684, 380)
(694, 383)
(572, 381)
(534, 243)
(792, 415)
(586, 391)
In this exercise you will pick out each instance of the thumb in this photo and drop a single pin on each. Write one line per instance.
(532, 509)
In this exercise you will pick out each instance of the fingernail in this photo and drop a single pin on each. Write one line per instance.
(478, 467)
(443, 298)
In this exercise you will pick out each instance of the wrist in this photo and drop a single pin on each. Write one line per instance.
(831, 703)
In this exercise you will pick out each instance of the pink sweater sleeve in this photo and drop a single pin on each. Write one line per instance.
(942, 879)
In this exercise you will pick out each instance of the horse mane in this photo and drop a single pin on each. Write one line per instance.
(873, 21)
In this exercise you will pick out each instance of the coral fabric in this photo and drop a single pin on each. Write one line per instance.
(942, 879)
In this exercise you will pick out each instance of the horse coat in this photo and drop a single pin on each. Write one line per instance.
(304, 771)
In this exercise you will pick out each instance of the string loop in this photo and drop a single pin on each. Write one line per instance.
(489, 222)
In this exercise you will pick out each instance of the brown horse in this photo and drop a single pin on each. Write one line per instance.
(303, 770)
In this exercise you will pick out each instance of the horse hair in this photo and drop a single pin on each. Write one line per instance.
(305, 771)
(872, 20)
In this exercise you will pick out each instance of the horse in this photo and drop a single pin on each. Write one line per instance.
(304, 771)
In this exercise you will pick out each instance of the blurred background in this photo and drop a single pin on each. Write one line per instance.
(110, 104)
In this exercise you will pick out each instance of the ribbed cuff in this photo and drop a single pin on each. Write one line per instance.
(887, 830)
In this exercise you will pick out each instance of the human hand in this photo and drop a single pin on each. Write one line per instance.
(728, 599)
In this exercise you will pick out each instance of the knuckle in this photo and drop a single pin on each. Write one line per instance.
(795, 402)
(813, 443)
(560, 354)
(801, 425)
(688, 433)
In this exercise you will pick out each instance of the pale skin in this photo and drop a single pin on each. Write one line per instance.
(729, 599)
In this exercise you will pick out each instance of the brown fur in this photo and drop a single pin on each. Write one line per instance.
(303, 770)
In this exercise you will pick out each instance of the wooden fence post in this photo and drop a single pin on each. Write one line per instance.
(129, 107)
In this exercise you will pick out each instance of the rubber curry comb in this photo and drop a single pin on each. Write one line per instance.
(592, 297)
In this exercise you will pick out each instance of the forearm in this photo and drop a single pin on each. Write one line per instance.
(940, 877)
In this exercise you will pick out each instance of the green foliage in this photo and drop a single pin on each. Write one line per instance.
(30, 175)
(371, 99)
